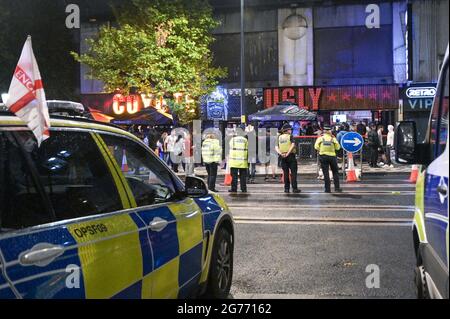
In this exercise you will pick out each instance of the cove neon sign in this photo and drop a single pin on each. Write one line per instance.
(132, 104)
(129, 104)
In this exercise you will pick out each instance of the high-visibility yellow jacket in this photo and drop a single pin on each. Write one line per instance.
(211, 151)
(327, 145)
(238, 152)
(284, 143)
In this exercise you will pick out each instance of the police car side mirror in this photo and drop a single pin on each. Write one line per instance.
(406, 143)
(195, 187)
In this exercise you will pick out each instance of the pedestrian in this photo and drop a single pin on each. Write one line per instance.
(361, 129)
(238, 160)
(287, 150)
(309, 130)
(145, 141)
(390, 145)
(177, 152)
(212, 155)
(188, 159)
(161, 147)
(317, 130)
(169, 143)
(272, 154)
(374, 143)
(252, 149)
(381, 148)
(327, 145)
(344, 129)
(152, 137)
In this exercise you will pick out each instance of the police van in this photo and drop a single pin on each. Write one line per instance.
(94, 213)
(430, 227)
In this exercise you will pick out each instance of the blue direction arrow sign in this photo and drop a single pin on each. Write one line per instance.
(352, 142)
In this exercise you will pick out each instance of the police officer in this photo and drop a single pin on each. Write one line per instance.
(327, 145)
(238, 160)
(212, 155)
(286, 150)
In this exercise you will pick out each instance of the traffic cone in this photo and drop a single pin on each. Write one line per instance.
(414, 174)
(228, 177)
(351, 174)
(124, 162)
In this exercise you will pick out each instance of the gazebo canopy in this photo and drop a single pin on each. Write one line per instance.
(283, 112)
(148, 116)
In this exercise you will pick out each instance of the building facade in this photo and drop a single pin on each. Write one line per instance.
(334, 57)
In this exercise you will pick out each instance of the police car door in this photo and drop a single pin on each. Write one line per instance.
(53, 232)
(6, 289)
(174, 224)
(435, 256)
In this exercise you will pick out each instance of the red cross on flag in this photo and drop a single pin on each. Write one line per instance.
(26, 94)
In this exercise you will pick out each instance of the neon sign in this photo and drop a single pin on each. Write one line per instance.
(132, 104)
(128, 104)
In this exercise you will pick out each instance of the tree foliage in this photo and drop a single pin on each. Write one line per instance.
(158, 47)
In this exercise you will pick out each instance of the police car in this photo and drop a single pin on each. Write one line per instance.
(430, 230)
(93, 213)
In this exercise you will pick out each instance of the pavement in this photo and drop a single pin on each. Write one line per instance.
(310, 168)
(317, 245)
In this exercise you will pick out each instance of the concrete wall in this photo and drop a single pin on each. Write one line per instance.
(430, 38)
(88, 30)
(355, 55)
(261, 46)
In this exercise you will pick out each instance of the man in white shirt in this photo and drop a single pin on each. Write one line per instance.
(169, 145)
(390, 144)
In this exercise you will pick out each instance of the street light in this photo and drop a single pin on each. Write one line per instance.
(243, 109)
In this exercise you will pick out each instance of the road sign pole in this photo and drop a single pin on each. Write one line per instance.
(361, 161)
(343, 165)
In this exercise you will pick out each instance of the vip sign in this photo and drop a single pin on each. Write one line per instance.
(421, 92)
(418, 97)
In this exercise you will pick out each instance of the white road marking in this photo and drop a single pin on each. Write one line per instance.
(396, 224)
(324, 220)
(390, 193)
(319, 185)
(318, 208)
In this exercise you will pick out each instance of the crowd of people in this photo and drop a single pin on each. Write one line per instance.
(281, 149)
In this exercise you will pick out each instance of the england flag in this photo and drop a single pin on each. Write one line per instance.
(26, 94)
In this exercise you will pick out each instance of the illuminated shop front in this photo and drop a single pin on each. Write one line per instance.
(417, 102)
(129, 109)
(335, 104)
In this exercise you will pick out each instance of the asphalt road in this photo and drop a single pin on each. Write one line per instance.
(317, 245)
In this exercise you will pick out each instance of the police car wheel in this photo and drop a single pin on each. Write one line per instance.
(420, 283)
(221, 269)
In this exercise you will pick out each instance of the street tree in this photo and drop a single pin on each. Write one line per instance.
(158, 47)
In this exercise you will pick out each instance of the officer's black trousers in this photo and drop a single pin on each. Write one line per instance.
(373, 156)
(289, 166)
(242, 172)
(326, 163)
(211, 169)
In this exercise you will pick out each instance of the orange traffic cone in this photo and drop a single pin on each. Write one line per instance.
(351, 174)
(124, 163)
(414, 174)
(228, 178)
